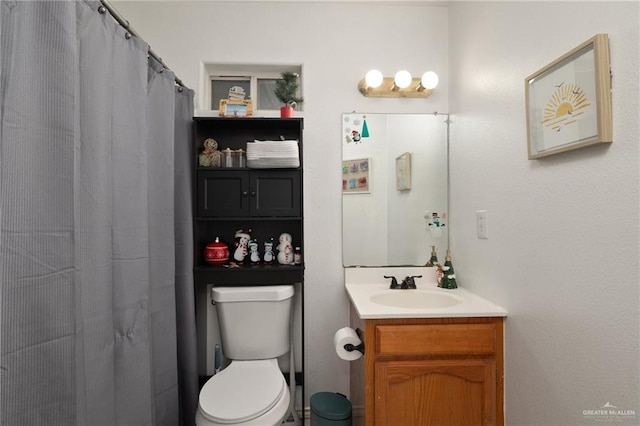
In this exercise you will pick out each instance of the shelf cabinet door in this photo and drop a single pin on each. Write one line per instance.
(243, 193)
(436, 392)
(223, 193)
(275, 193)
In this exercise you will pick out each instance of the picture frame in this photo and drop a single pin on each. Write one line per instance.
(568, 101)
(235, 108)
(355, 176)
(403, 172)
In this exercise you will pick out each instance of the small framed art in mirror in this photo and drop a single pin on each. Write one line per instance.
(403, 172)
(355, 176)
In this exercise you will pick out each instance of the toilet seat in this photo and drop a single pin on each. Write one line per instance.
(242, 391)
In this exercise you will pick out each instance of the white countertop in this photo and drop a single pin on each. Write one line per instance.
(364, 283)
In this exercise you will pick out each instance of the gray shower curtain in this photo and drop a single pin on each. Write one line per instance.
(94, 224)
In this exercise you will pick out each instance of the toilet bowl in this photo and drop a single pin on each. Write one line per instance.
(244, 393)
(255, 330)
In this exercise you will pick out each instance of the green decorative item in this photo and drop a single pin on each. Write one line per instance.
(433, 261)
(365, 129)
(286, 91)
(449, 278)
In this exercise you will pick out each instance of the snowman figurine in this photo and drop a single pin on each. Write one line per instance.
(242, 241)
(268, 251)
(285, 256)
(254, 256)
(285, 249)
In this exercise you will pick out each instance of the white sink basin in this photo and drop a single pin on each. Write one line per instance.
(414, 299)
(371, 297)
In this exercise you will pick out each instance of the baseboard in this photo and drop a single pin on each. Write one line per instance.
(306, 413)
(357, 411)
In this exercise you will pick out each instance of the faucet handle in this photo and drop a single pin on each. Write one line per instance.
(405, 283)
(411, 283)
(394, 282)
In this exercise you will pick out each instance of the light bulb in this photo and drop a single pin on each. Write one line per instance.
(373, 78)
(429, 80)
(402, 79)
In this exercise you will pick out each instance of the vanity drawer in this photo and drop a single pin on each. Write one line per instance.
(434, 339)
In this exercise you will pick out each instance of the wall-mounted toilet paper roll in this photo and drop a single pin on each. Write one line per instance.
(345, 336)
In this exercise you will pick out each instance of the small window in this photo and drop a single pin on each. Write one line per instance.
(257, 81)
(266, 97)
(220, 87)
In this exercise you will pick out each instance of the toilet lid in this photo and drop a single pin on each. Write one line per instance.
(242, 391)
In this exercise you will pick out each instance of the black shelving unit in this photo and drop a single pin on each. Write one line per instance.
(267, 201)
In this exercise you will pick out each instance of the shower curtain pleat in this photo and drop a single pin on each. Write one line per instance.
(183, 225)
(95, 349)
(38, 310)
(160, 193)
(87, 236)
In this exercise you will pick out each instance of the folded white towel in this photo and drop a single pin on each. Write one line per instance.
(274, 151)
(273, 163)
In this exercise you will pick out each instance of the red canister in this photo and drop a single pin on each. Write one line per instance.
(216, 253)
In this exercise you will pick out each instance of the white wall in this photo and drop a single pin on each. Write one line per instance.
(336, 42)
(562, 254)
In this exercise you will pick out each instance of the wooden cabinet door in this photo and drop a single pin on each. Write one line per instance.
(275, 193)
(223, 193)
(443, 392)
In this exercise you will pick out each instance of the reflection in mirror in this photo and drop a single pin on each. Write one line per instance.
(394, 188)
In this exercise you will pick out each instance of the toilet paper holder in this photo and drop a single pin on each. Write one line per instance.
(351, 347)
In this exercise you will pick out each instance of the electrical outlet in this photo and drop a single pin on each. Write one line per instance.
(482, 225)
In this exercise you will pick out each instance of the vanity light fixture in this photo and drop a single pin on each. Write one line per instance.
(402, 85)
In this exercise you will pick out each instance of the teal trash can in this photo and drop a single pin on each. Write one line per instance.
(330, 409)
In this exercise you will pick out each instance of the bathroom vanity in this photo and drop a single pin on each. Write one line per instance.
(432, 356)
(439, 365)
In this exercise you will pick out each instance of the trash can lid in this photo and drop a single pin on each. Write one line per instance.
(331, 406)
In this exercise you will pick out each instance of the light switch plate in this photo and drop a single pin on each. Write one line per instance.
(482, 225)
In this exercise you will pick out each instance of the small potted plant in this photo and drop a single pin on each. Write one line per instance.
(286, 91)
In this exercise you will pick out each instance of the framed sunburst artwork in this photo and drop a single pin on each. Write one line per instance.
(569, 101)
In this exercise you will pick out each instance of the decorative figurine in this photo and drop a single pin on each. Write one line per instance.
(254, 256)
(242, 241)
(440, 274)
(284, 240)
(449, 278)
(433, 260)
(285, 256)
(216, 253)
(268, 252)
(285, 249)
(210, 156)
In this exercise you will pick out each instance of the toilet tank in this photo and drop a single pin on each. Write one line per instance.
(254, 321)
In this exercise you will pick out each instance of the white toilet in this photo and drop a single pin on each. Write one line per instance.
(254, 326)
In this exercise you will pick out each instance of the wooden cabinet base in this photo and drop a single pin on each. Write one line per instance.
(444, 371)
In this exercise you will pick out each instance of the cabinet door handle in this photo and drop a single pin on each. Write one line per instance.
(245, 193)
(253, 193)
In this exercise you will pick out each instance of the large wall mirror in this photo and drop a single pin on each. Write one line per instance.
(394, 188)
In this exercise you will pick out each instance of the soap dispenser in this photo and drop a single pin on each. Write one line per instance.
(433, 261)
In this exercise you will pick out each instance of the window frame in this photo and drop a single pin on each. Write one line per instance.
(218, 72)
